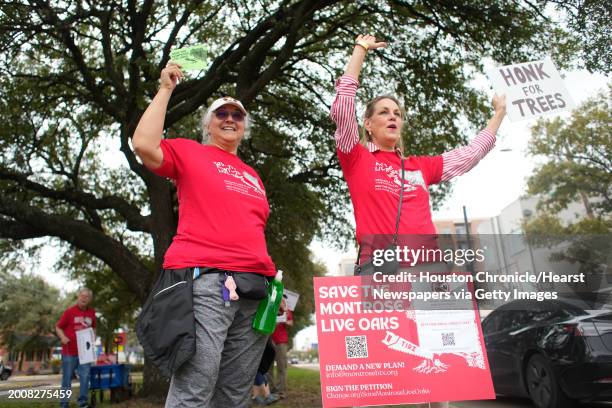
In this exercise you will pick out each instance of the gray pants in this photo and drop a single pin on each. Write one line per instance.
(279, 380)
(228, 351)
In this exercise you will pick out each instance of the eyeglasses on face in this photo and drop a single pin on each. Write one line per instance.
(223, 114)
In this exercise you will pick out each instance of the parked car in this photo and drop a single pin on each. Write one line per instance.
(294, 361)
(552, 352)
(5, 372)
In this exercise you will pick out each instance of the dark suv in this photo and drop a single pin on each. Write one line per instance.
(552, 351)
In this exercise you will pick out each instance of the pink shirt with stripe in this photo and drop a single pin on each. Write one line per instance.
(372, 175)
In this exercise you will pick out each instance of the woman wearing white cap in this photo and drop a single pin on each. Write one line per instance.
(223, 211)
(373, 167)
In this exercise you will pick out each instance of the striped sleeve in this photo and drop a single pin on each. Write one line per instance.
(343, 114)
(462, 159)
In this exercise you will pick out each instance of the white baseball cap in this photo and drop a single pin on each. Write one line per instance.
(226, 100)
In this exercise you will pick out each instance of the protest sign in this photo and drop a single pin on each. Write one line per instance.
(190, 58)
(378, 352)
(85, 345)
(532, 89)
(292, 299)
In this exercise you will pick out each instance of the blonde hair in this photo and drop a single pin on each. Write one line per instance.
(369, 112)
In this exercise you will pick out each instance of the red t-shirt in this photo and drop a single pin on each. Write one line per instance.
(280, 335)
(374, 183)
(223, 209)
(72, 320)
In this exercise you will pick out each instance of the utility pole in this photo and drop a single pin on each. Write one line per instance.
(470, 265)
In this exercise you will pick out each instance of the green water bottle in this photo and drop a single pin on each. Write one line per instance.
(265, 318)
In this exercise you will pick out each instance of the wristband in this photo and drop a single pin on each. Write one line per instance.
(363, 44)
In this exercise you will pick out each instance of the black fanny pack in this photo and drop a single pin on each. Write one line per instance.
(249, 285)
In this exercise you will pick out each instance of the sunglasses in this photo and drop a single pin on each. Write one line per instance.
(237, 116)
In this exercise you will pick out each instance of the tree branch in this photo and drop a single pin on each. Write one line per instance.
(189, 96)
(16, 230)
(179, 24)
(49, 16)
(315, 173)
(78, 233)
(134, 221)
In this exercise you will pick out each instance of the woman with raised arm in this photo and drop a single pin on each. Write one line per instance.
(219, 244)
(372, 168)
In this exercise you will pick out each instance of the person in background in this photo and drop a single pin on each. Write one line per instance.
(77, 317)
(280, 340)
(261, 390)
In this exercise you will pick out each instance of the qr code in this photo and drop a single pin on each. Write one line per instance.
(356, 346)
(448, 339)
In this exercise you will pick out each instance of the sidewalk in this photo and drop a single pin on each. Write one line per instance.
(31, 377)
(33, 381)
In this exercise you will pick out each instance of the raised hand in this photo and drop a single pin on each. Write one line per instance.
(369, 41)
(170, 76)
(499, 104)
(148, 134)
(363, 43)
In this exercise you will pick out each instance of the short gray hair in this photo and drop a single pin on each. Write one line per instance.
(85, 289)
(206, 121)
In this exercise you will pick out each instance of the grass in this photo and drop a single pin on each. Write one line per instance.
(304, 391)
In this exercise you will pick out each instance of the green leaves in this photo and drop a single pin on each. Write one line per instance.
(575, 176)
(589, 21)
(29, 309)
(77, 76)
(578, 156)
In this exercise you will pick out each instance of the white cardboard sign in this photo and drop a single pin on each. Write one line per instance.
(532, 89)
(282, 318)
(86, 345)
(292, 299)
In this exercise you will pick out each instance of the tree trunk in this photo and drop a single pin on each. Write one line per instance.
(154, 386)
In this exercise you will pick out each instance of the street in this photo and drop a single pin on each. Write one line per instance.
(508, 402)
(26, 382)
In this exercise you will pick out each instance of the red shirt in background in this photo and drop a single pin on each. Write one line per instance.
(280, 335)
(72, 320)
(223, 209)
